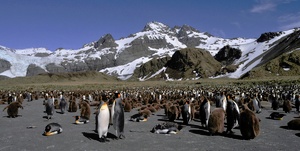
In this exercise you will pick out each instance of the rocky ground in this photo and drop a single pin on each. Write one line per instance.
(16, 136)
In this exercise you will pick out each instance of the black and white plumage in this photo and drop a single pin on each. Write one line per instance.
(166, 128)
(63, 105)
(52, 129)
(81, 120)
(256, 105)
(276, 116)
(102, 121)
(204, 112)
(139, 117)
(233, 114)
(117, 115)
(186, 112)
(50, 107)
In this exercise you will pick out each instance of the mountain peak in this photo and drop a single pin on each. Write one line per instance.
(156, 26)
(105, 41)
(189, 28)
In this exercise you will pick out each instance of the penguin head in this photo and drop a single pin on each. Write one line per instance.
(47, 128)
(117, 94)
(47, 131)
(77, 117)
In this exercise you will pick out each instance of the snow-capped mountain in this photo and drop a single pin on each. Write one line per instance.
(121, 57)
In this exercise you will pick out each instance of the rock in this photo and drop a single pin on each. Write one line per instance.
(151, 67)
(105, 42)
(192, 63)
(227, 55)
(4, 65)
(33, 70)
(267, 36)
(53, 68)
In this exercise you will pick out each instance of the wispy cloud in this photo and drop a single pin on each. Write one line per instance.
(268, 5)
(218, 33)
(237, 25)
(263, 6)
(289, 21)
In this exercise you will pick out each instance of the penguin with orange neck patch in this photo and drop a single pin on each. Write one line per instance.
(52, 129)
(102, 121)
(117, 116)
(81, 120)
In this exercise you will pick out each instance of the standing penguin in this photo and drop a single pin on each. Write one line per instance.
(232, 112)
(12, 109)
(219, 99)
(256, 104)
(186, 112)
(204, 112)
(275, 102)
(216, 121)
(52, 129)
(50, 107)
(249, 123)
(117, 115)
(85, 110)
(102, 121)
(72, 105)
(173, 113)
(63, 105)
(287, 107)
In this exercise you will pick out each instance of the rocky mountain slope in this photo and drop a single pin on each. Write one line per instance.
(157, 51)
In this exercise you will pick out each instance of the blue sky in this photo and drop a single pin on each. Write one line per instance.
(72, 23)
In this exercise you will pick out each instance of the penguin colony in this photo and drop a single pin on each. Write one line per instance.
(215, 108)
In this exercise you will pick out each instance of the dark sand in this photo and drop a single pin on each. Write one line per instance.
(16, 136)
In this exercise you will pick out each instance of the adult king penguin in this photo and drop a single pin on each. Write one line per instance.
(204, 112)
(233, 114)
(117, 115)
(102, 121)
(186, 112)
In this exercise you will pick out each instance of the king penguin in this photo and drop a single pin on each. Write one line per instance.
(186, 112)
(233, 113)
(117, 114)
(52, 129)
(50, 107)
(102, 121)
(62, 104)
(204, 112)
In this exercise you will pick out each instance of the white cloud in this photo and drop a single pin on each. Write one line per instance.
(218, 33)
(289, 21)
(263, 6)
(268, 5)
(237, 24)
(290, 26)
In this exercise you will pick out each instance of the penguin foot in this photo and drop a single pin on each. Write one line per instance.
(121, 136)
(103, 139)
(229, 132)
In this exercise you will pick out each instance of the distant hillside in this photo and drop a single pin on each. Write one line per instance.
(144, 55)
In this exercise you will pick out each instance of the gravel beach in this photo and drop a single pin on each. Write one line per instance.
(25, 133)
